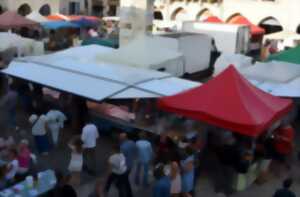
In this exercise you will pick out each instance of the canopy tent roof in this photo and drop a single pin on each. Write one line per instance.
(282, 35)
(290, 89)
(80, 17)
(11, 19)
(59, 25)
(145, 52)
(91, 79)
(274, 71)
(10, 40)
(255, 30)
(290, 55)
(231, 102)
(213, 19)
(37, 17)
(58, 17)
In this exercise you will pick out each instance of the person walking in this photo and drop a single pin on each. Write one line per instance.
(285, 191)
(145, 155)
(128, 148)
(76, 162)
(55, 121)
(187, 181)
(162, 185)
(39, 132)
(89, 137)
(175, 180)
(118, 173)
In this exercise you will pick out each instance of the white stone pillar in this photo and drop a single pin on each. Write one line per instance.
(136, 18)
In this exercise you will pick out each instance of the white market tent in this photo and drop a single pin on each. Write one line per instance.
(148, 52)
(275, 71)
(239, 61)
(24, 46)
(96, 80)
(37, 17)
(289, 39)
(291, 89)
(275, 77)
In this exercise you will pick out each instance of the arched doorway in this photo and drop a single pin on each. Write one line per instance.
(158, 15)
(232, 17)
(24, 9)
(45, 10)
(271, 25)
(179, 15)
(203, 14)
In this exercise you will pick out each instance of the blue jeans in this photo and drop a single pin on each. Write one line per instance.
(145, 167)
(12, 118)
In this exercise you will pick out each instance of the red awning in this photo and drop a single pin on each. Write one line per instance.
(79, 17)
(255, 30)
(229, 101)
(58, 17)
(10, 19)
(213, 19)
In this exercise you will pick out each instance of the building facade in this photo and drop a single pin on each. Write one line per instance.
(284, 14)
(24, 7)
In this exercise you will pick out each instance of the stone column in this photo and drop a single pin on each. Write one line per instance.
(136, 18)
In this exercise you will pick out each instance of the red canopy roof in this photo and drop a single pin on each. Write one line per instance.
(10, 19)
(213, 19)
(229, 101)
(78, 17)
(58, 17)
(255, 30)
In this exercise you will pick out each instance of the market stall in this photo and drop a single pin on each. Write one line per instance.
(257, 33)
(284, 39)
(37, 17)
(290, 56)
(213, 19)
(82, 75)
(230, 102)
(11, 19)
(148, 52)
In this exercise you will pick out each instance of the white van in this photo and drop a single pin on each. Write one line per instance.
(196, 50)
(228, 38)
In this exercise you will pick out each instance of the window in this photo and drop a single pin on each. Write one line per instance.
(74, 8)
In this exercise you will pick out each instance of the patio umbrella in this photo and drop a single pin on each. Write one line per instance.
(10, 19)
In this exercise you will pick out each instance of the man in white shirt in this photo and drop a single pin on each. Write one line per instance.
(118, 173)
(55, 121)
(89, 137)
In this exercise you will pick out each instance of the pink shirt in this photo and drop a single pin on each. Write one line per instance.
(24, 158)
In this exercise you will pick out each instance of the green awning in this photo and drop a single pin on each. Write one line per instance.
(291, 55)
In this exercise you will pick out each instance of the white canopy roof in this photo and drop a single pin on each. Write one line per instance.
(239, 61)
(37, 17)
(282, 35)
(9, 40)
(291, 89)
(95, 80)
(275, 71)
(145, 52)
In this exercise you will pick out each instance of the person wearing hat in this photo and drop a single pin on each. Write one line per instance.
(39, 132)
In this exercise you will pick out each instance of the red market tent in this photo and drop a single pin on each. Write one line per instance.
(213, 19)
(58, 17)
(241, 20)
(79, 17)
(10, 19)
(229, 101)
